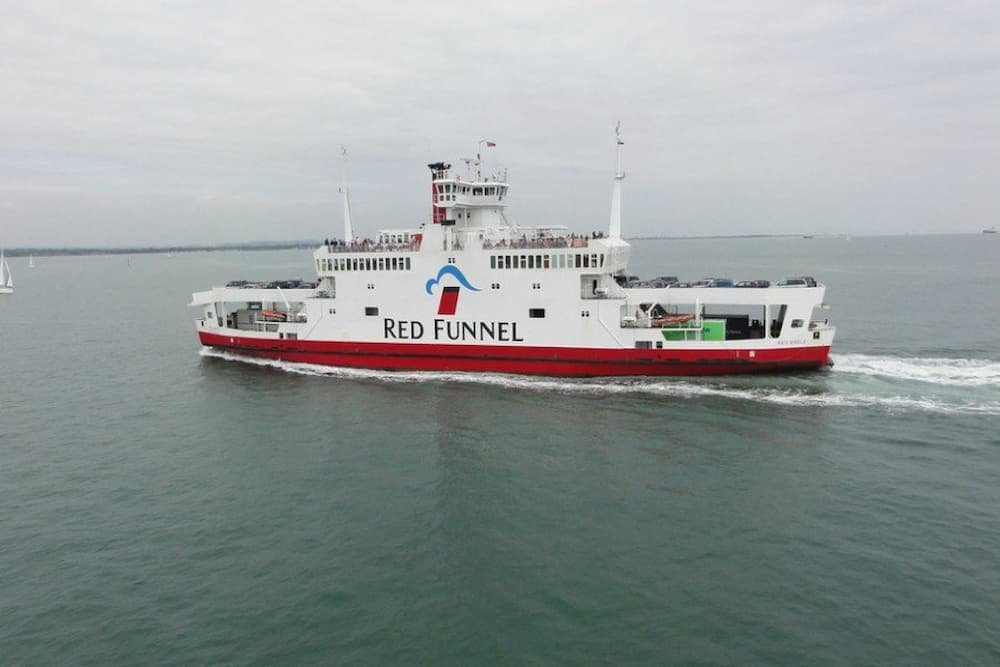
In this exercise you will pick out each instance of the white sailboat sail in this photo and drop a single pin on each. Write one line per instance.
(6, 279)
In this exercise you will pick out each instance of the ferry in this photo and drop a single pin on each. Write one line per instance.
(469, 290)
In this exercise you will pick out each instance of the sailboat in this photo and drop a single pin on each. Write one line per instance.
(6, 280)
(31, 261)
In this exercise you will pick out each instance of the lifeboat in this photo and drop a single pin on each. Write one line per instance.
(672, 319)
(274, 316)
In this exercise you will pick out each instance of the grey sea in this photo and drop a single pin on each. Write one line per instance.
(164, 505)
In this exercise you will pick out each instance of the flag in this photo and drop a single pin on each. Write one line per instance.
(490, 144)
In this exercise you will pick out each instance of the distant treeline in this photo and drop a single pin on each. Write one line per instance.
(720, 236)
(294, 245)
(146, 250)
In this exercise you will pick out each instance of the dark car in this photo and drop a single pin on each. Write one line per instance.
(626, 281)
(284, 284)
(800, 281)
(753, 283)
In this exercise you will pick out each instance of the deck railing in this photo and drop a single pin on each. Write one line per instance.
(372, 246)
(542, 242)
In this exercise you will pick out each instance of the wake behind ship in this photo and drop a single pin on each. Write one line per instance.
(470, 291)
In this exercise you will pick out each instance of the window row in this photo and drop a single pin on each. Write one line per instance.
(372, 311)
(488, 190)
(364, 264)
(557, 261)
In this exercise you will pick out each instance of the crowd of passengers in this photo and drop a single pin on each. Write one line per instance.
(570, 241)
(294, 283)
(369, 245)
(672, 281)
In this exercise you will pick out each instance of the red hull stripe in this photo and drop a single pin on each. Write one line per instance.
(556, 361)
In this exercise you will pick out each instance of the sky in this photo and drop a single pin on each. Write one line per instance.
(189, 122)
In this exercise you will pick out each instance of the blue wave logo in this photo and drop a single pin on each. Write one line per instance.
(449, 270)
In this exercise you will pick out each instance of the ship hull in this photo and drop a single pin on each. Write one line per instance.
(526, 360)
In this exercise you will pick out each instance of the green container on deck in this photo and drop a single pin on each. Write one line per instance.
(710, 330)
(713, 330)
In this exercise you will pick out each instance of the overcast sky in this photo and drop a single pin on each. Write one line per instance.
(199, 122)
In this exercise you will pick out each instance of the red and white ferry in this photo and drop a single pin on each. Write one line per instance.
(470, 291)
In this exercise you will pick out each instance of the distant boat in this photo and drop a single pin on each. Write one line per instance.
(31, 261)
(991, 230)
(6, 280)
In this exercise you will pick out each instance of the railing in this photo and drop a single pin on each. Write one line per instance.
(372, 246)
(259, 327)
(544, 242)
(265, 327)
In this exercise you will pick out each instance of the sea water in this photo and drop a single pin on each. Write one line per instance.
(163, 503)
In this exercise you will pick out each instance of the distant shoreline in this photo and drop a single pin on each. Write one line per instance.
(289, 245)
(43, 251)
(159, 250)
(734, 236)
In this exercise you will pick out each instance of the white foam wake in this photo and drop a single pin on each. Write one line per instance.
(672, 388)
(935, 370)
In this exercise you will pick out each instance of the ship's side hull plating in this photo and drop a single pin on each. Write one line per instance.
(527, 360)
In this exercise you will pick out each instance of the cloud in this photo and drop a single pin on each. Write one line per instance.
(763, 117)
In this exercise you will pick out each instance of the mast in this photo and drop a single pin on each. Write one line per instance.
(346, 191)
(479, 155)
(615, 227)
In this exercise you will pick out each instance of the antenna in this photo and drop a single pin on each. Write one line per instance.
(346, 191)
(479, 150)
(469, 161)
(615, 226)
